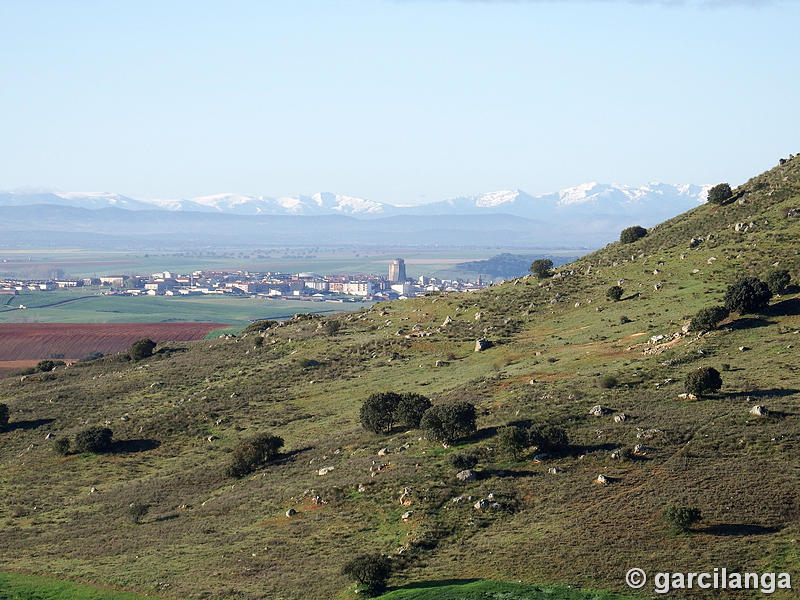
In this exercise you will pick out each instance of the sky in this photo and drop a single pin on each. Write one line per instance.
(398, 101)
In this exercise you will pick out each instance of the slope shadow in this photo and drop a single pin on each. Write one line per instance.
(25, 425)
(737, 529)
(287, 456)
(784, 308)
(132, 446)
(769, 392)
(749, 323)
(481, 434)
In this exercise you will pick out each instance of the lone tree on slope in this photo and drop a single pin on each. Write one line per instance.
(720, 194)
(631, 234)
(541, 267)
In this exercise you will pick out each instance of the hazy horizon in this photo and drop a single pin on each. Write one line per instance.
(402, 102)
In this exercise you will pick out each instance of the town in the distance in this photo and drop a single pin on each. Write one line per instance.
(312, 287)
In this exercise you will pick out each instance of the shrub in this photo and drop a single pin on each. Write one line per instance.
(410, 408)
(614, 293)
(253, 453)
(377, 413)
(46, 366)
(623, 320)
(369, 570)
(681, 518)
(141, 349)
(606, 382)
(541, 267)
(61, 446)
(258, 342)
(512, 440)
(259, 326)
(332, 327)
(720, 194)
(631, 234)
(747, 295)
(464, 460)
(548, 438)
(703, 381)
(777, 280)
(93, 440)
(91, 356)
(449, 422)
(708, 318)
(137, 511)
(3, 416)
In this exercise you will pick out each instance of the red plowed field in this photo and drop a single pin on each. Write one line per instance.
(34, 341)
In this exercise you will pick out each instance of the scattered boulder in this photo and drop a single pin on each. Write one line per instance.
(362, 488)
(482, 344)
(743, 348)
(478, 316)
(324, 471)
(383, 452)
(466, 475)
(291, 512)
(447, 321)
(620, 418)
(640, 450)
(481, 504)
(598, 411)
(552, 470)
(759, 411)
(602, 480)
(407, 515)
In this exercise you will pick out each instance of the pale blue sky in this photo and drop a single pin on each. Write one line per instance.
(396, 101)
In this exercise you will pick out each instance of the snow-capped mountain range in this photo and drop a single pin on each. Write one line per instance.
(651, 203)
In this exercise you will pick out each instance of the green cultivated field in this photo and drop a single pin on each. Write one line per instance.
(77, 262)
(493, 590)
(82, 305)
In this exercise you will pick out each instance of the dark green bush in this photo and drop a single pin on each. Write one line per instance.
(720, 194)
(93, 440)
(614, 293)
(708, 318)
(370, 571)
(141, 349)
(703, 381)
(777, 280)
(511, 441)
(377, 413)
(3, 416)
(548, 438)
(137, 511)
(91, 356)
(747, 295)
(253, 453)
(332, 327)
(541, 267)
(259, 326)
(449, 422)
(607, 382)
(631, 234)
(46, 366)
(61, 446)
(410, 409)
(464, 460)
(681, 518)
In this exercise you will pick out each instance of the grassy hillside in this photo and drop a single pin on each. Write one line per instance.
(207, 535)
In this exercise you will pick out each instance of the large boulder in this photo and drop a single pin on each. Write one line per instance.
(482, 344)
(466, 475)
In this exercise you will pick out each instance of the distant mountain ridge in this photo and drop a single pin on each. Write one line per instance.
(655, 201)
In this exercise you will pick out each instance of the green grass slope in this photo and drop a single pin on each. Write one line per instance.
(179, 414)
(30, 587)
